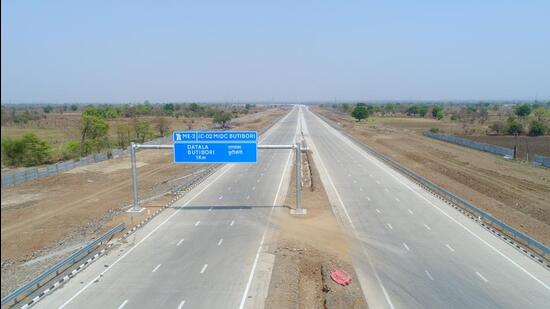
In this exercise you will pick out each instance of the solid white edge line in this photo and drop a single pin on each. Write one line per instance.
(227, 168)
(254, 265)
(377, 276)
(385, 168)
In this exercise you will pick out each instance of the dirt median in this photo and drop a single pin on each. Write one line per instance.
(308, 248)
(43, 219)
(517, 193)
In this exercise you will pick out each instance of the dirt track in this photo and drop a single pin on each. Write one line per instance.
(46, 216)
(517, 193)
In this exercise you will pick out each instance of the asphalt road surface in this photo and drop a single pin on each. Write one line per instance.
(202, 254)
(410, 249)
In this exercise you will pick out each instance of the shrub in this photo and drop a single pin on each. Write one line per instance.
(434, 130)
(514, 126)
(71, 150)
(437, 112)
(29, 150)
(455, 117)
(498, 126)
(537, 128)
(523, 110)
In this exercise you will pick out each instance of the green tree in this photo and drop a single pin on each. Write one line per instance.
(360, 112)
(498, 127)
(437, 112)
(514, 126)
(222, 118)
(37, 151)
(142, 129)
(422, 110)
(162, 126)
(169, 108)
(523, 110)
(537, 128)
(48, 109)
(74, 107)
(94, 134)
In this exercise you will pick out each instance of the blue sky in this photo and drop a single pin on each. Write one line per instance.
(229, 51)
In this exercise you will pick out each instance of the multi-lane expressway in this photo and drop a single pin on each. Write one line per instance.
(410, 250)
(204, 252)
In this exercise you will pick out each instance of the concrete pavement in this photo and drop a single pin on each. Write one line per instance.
(411, 250)
(204, 251)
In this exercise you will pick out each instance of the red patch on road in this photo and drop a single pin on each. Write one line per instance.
(341, 277)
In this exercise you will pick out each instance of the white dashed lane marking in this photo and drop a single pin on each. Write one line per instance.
(406, 247)
(220, 242)
(197, 223)
(204, 268)
(449, 247)
(181, 304)
(427, 227)
(156, 268)
(481, 276)
(410, 211)
(391, 227)
(179, 242)
(232, 222)
(429, 275)
(123, 304)
(377, 210)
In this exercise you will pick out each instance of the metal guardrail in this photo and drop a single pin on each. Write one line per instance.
(522, 238)
(40, 280)
(539, 160)
(498, 150)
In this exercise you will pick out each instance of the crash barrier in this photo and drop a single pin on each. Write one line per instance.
(501, 151)
(28, 174)
(487, 220)
(541, 161)
(59, 268)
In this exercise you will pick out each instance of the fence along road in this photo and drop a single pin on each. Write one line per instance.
(411, 250)
(202, 253)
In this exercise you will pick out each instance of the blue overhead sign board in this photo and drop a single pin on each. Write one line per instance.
(215, 146)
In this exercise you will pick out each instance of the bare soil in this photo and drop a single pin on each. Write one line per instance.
(515, 192)
(308, 248)
(46, 216)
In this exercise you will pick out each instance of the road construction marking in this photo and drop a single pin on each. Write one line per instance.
(377, 210)
(387, 190)
(221, 196)
(261, 174)
(360, 189)
(406, 247)
(397, 199)
(179, 242)
(235, 181)
(391, 227)
(181, 304)
(220, 242)
(197, 223)
(204, 268)
(429, 275)
(123, 304)
(368, 198)
(253, 188)
(378, 182)
(248, 197)
(370, 175)
(481, 276)
(427, 227)
(228, 188)
(241, 175)
(155, 269)
(450, 248)
(232, 222)
(410, 211)
(349, 175)
(258, 181)
(354, 181)
(210, 209)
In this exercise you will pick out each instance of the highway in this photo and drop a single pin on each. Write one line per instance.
(410, 249)
(204, 252)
